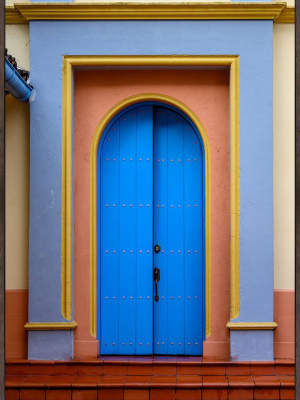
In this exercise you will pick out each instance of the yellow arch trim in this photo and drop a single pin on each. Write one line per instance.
(93, 201)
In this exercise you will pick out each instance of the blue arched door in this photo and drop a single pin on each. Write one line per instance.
(151, 225)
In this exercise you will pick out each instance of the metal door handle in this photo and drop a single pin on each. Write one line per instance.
(156, 276)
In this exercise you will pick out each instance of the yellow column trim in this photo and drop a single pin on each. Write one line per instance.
(67, 108)
(66, 206)
(50, 326)
(241, 326)
(235, 189)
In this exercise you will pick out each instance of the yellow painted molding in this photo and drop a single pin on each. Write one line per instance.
(241, 326)
(50, 326)
(24, 12)
(13, 16)
(151, 10)
(67, 109)
(287, 16)
(235, 188)
(66, 206)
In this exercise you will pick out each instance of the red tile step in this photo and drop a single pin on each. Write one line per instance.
(150, 387)
(150, 366)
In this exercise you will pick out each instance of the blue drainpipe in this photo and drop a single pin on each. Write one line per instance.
(16, 85)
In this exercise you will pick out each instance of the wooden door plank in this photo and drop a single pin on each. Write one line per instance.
(109, 237)
(128, 238)
(144, 230)
(176, 317)
(193, 238)
(161, 259)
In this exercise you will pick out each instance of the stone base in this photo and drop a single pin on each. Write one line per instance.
(252, 345)
(50, 345)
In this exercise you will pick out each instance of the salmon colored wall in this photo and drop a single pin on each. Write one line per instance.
(16, 310)
(284, 315)
(207, 94)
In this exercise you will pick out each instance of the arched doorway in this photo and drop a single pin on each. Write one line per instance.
(151, 225)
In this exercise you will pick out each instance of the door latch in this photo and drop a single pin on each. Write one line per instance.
(156, 276)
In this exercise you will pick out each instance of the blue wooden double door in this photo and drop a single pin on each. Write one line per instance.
(151, 234)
